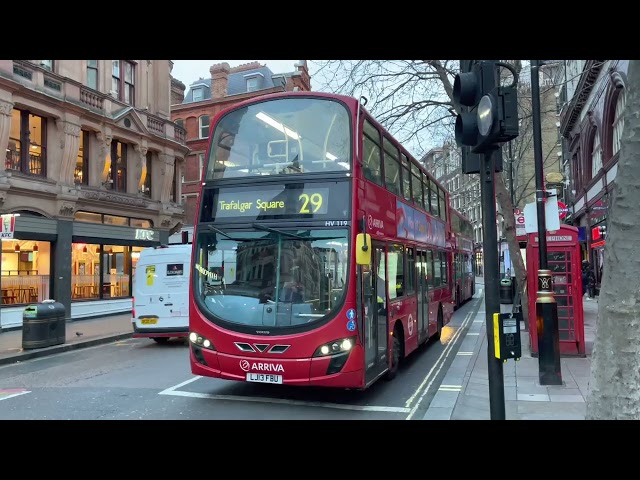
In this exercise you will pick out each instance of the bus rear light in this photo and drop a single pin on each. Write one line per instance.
(201, 341)
(337, 346)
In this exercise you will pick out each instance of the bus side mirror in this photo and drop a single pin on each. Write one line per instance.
(363, 249)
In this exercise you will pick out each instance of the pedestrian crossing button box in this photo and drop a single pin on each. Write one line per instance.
(506, 336)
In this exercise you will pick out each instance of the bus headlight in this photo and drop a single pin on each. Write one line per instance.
(201, 341)
(337, 346)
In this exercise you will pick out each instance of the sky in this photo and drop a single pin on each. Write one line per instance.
(188, 71)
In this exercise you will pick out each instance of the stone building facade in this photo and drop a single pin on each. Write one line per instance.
(92, 162)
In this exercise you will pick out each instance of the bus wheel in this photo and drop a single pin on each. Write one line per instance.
(161, 339)
(396, 350)
(440, 324)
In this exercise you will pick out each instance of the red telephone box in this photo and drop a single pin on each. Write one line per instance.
(565, 263)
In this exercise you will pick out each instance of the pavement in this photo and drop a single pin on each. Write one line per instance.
(463, 394)
(78, 333)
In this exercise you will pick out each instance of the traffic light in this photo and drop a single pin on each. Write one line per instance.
(487, 112)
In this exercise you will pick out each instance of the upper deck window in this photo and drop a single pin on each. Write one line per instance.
(281, 137)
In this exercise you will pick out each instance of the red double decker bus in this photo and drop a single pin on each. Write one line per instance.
(320, 247)
(462, 257)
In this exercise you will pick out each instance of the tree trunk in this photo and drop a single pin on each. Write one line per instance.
(615, 363)
(504, 200)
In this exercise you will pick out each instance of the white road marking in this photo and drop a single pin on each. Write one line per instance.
(465, 353)
(11, 395)
(175, 387)
(281, 401)
(438, 363)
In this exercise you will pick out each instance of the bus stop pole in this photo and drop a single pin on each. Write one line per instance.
(491, 280)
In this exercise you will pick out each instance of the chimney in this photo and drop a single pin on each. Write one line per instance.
(177, 91)
(219, 79)
(300, 78)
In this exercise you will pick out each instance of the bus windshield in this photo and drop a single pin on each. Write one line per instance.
(269, 277)
(281, 137)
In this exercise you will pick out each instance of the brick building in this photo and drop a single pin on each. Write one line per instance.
(206, 97)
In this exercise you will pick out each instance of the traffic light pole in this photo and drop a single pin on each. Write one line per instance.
(546, 307)
(491, 281)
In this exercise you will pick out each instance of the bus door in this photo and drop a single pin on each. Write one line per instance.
(423, 296)
(376, 327)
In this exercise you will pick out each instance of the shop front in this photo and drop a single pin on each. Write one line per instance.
(86, 264)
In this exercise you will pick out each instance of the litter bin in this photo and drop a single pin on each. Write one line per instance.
(43, 325)
(506, 291)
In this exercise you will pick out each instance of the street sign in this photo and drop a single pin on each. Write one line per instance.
(520, 230)
(8, 226)
(551, 213)
(562, 210)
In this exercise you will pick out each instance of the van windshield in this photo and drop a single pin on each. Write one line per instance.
(270, 277)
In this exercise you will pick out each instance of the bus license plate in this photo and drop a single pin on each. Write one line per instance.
(264, 378)
(149, 321)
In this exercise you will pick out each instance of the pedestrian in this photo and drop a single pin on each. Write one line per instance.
(588, 280)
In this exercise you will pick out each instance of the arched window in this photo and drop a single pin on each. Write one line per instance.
(618, 121)
(596, 156)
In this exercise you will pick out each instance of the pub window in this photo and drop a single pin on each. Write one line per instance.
(145, 176)
(371, 153)
(406, 177)
(391, 167)
(123, 80)
(140, 223)
(115, 220)
(117, 173)
(88, 217)
(26, 150)
(395, 266)
(174, 187)
(81, 172)
(411, 271)
(92, 74)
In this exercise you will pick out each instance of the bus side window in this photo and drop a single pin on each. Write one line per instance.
(395, 258)
(411, 271)
(430, 277)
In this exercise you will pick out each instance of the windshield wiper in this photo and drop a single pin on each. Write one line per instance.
(220, 232)
(279, 232)
(292, 235)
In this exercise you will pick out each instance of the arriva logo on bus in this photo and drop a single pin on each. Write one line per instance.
(260, 366)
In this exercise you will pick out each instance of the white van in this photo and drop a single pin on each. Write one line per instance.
(161, 293)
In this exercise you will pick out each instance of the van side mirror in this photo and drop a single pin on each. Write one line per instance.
(363, 249)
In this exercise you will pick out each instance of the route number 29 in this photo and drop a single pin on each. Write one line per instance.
(315, 199)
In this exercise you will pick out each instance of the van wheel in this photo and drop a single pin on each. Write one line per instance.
(161, 339)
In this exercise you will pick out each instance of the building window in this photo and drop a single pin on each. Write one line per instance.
(180, 123)
(123, 80)
(198, 94)
(81, 172)
(618, 121)
(47, 64)
(201, 164)
(204, 126)
(145, 176)
(596, 156)
(25, 271)
(92, 74)
(252, 84)
(26, 150)
(117, 168)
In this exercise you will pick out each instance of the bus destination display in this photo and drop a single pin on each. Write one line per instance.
(292, 201)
